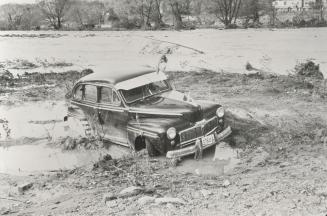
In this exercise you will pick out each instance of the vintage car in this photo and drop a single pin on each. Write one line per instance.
(139, 108)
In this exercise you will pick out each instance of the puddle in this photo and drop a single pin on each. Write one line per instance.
(33, 120)
(30, 126)
(216, 161)
(25, 159)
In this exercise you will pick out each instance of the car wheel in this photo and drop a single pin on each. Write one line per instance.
(152, 152)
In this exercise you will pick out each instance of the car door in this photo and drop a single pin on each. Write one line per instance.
(84, 106)
(113, 116)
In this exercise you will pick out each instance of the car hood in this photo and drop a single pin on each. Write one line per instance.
(172, 104)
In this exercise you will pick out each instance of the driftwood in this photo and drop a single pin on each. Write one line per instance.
(187, 47)
(11, 199)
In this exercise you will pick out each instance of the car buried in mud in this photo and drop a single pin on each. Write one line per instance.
(141, 109)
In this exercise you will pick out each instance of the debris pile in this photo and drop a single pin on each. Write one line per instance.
(309, 69)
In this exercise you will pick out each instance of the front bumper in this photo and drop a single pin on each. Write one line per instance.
(192, 149)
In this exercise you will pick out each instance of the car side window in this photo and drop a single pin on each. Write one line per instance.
(78, 94)
(90, 93)
(107, 95)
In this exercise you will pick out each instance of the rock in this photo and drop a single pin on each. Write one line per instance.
(206, 193)
(130, 191)
(5, 211)
(145, 200)
(24, 187)
(226, 194)
(165, 200)
(260, 158)
(226, 183)
(170, 206)
(112, 203)
(108, 197)
(284, 164)
(322, 192)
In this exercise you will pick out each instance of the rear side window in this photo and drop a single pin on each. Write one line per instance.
(78, 94)
(107, 95)
(90, 93)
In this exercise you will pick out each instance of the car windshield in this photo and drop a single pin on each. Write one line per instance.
(145, 91)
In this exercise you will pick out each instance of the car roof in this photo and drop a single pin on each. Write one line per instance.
(114, 76)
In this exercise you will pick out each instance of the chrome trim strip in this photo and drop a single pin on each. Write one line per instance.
(115, 140)
(101, 106)
(110, 108)
(153, 135)
(154, 112)
(211, 131)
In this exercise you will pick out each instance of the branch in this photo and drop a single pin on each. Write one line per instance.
(187, 47)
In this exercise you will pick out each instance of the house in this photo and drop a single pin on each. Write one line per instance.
(296, 5)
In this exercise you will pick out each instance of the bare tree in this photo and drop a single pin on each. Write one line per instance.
(227, 11)
(157, 15)
(145, 10)
(176, 9)
(14, 14)
(251, 10)
(87, 14)
(54, 11)
(20, 16)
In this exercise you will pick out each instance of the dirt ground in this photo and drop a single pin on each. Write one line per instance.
(279, 129)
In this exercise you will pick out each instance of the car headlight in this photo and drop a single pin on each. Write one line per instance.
(220, 112)
(171, 133)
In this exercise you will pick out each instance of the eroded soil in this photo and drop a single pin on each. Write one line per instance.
(279, 125)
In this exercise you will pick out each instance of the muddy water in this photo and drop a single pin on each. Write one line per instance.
(216, 161)
(33, 120)
(24, 159)
(24, 147)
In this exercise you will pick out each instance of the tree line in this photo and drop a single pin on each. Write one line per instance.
(130, 14)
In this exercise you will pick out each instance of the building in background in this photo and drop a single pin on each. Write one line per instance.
(297, 5)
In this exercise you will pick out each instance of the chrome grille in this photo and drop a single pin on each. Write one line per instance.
(210, 125)
(197, 131)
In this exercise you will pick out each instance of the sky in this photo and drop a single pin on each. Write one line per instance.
(15, 1)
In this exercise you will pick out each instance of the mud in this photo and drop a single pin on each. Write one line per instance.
(274, 164)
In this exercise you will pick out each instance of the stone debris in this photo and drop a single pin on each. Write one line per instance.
(166, 200)
(226, 183)
(130, 191)
(145, 200)
(206, 193)
(24, 187)
(108, 197)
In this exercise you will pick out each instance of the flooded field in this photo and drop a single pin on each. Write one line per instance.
(275, 50)
(274, 163)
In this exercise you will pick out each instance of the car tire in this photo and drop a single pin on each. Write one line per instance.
(152, 152)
